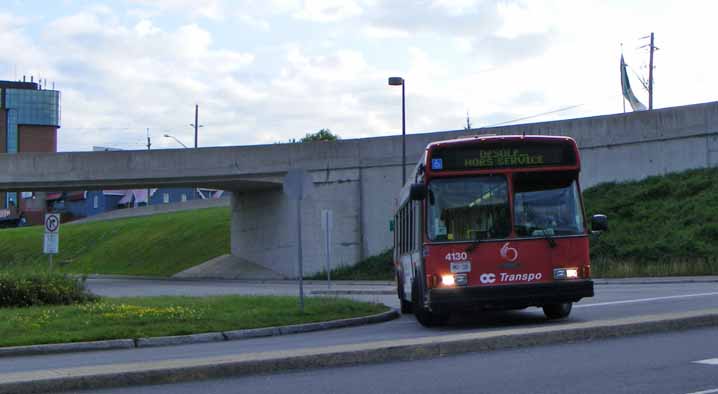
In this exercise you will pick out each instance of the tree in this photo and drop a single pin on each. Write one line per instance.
(321, 135)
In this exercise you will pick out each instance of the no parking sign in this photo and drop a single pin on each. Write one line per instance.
(52, 234)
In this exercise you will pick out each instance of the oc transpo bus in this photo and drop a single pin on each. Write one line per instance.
(493, 222)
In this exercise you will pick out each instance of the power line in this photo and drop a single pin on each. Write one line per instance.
(536, 115)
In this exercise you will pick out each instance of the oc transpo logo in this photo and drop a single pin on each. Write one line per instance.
(487, 278)
(508, 253)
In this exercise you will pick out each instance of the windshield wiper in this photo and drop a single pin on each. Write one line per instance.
(547, 236)
(472, 246)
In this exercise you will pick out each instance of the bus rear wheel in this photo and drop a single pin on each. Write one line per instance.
(424, 316)
(557, 311)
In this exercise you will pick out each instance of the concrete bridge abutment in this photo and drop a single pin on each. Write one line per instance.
(264, 225)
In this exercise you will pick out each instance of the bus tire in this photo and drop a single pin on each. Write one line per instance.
(424, 316)
(406, 306)
(557, 311)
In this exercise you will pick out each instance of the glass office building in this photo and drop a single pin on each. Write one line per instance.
(31, 118)
(30, 107)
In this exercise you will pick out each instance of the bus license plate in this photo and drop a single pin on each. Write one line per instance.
(460, 266)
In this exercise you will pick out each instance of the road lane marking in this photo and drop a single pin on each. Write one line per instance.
(705, 391)
(646, 300)
(710, 361)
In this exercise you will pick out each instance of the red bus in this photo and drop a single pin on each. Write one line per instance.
(493, 222)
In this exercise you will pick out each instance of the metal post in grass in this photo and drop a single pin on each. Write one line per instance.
(327, 224)
(297, 184)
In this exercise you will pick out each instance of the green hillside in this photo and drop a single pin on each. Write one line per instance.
(663, 225)
(158, 245)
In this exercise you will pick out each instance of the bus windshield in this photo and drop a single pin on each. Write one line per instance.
(468, 208)
(547, 204)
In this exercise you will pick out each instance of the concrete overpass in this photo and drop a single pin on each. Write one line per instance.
(357, 179)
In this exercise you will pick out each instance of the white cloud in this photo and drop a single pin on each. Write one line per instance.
(264, 72)
(211, 9)
(328, 10)
(385, 32)
(145, 28)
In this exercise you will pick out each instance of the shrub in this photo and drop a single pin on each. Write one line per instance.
(23, 290)
(378, 267)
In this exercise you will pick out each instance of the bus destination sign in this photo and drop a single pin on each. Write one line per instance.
(504, 154)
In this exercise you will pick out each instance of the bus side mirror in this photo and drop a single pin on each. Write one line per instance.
(599, 222)
(417, 192)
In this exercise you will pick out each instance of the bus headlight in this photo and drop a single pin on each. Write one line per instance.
(565, 273)
(447, 280)
(455, 280)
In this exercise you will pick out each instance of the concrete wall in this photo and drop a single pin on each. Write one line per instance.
(619, 147)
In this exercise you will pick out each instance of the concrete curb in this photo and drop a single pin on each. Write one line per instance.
(66, 347)
(353, 292)
(195, 338)
(656, 281)
(251, 281)
(172, 371)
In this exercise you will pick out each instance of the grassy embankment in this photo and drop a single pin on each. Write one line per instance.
(159, 245)
(662, 225)
(160, 316)
(665, 225)
(379, 267)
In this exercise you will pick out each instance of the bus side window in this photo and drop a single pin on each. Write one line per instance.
(403, 231)
(411, 225)
(396, 236)
(406, 228)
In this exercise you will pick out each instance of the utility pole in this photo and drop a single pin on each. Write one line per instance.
(650, 76)
(149, 144)
(651, 48)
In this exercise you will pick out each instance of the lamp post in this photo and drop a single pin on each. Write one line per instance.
(175, 138)
(396, 81)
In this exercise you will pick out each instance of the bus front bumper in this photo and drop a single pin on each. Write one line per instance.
(513, 296)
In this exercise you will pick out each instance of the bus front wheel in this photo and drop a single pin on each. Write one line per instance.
(424, 316)
(557, 311)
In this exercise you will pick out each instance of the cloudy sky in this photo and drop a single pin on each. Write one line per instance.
(267, 71)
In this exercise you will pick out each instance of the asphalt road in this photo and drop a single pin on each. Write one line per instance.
(661, 363)
(612, 301)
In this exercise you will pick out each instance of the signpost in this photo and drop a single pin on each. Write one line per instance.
(51, 245)
(297, 185)
(327, 227)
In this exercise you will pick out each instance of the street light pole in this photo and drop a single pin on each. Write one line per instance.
(175, 138)
(396, 81)
(196, 124)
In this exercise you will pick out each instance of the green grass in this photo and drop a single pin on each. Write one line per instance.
(160, 316)
(158, 245)
(662, 225)
(378, 267)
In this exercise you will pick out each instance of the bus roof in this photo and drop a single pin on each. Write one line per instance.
(494, 138)
(472, 140)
